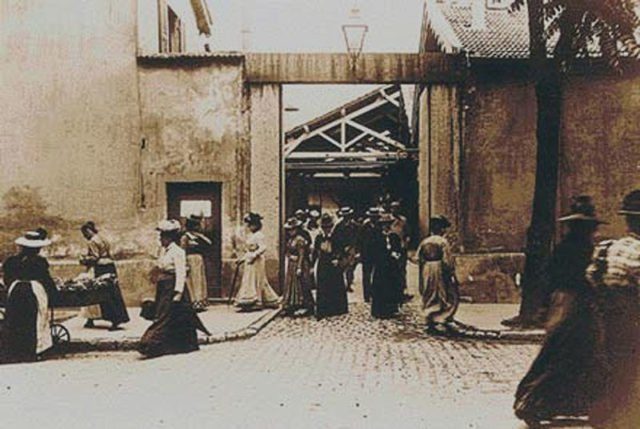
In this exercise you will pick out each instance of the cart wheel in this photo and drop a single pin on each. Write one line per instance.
(60, 334)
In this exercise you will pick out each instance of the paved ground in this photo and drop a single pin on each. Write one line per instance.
(346, 372)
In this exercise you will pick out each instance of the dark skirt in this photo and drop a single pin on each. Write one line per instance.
(618, 406)
(174, 330)
(331, 298)
(567, 376)
(19, 331)
(114, 310)
(386, 289)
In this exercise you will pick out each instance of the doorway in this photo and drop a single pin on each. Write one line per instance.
(202, 199)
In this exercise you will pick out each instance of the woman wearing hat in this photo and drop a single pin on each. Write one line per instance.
(297, 297)
(196, 244)
(566, 376)
(26, 326)
(174, 330)
(98, 258)
(615, 274)
(438, 287)
(255, 291)
(386, 287)
(331, 298)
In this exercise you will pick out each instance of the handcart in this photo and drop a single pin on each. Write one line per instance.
(74, 298)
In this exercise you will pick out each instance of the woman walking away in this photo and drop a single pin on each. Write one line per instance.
(174, 330)
(26, 325)
(438, 286)
(566, 376)
(255, 291)
(615, 274)
(297, 298)
(331, 294)
(196, 244)
(98, 258)
(386, 288)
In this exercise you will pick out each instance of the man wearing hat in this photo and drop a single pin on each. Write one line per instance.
(345, 235)
(615, 274)
(366, 241)
(26, 326)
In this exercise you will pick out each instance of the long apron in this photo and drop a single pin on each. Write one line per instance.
(28, 333)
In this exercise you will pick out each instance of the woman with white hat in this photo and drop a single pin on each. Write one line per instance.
(26, 331)
(174, 330)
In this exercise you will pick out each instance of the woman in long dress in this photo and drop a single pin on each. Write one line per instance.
(438, 287)
(566, 376)
(255, 291)
(615, 275)
(386, 287)
(98, 257)
(196, 244)
(331, 298)
(297, 297)
(174, 330)
(26, 333)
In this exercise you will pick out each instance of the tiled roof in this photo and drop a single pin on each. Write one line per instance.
(504, 35)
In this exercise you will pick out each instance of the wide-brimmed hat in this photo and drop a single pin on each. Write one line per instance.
(374, 211)
(631, 204)
(314, 214)
(345, 211)
(386, 218)
(34, 239)
(582, 210)
(194, 219)
(300, 214)
(292, 223)
(252, 218)
(168, 225)
(439, 221)
(395, 204)
(326, 220)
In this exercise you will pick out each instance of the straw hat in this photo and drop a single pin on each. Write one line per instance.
(34, 239)
(345, 211)
(168, 225)
(292, 223)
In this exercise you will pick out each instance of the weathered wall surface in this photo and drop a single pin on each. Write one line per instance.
(194, 127)
(69, 123)
(601, 144)
(267, 168)
(498, 166)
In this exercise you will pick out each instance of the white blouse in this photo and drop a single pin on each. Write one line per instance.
(173, 259)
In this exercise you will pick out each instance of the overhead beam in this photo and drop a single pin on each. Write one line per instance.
(293, 68)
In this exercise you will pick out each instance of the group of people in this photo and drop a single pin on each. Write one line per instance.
(590, 361)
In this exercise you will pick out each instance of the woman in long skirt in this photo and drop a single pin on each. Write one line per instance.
(615, 275)
(297, 297)
(566, 376)
(438, 288)
(255, 291)
(386, 287)
(331, 298)
(99, 258)
(196, 244)
(26, 333)
(174, 330)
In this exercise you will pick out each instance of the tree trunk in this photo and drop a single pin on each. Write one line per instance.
(541, 231)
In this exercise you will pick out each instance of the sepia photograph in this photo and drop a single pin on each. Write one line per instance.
(331, 214)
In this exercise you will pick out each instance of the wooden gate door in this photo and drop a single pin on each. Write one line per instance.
(201, 198)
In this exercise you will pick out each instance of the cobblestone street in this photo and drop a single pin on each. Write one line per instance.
(346, 372)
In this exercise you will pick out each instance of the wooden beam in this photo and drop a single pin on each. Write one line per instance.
(377, 135)
(377, 68)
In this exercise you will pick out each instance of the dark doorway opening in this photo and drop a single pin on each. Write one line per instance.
(204, 199)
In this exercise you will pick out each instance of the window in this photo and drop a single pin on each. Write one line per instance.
(498, 4)
(171, 29)
(195, 207)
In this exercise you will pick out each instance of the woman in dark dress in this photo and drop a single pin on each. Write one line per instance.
(174, 330)
(297, 299)
(566, 377)
(615, 274)
(99, 258)
(331, 296)
(386, 287)
(26, 333)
